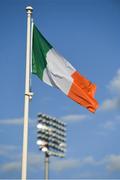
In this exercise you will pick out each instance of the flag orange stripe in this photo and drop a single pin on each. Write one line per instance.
(82, 91)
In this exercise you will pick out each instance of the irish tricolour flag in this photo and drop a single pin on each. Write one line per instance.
(56, 71)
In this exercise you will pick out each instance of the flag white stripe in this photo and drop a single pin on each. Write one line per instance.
(58, 71)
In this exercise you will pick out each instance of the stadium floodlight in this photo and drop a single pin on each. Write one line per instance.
(51, 138)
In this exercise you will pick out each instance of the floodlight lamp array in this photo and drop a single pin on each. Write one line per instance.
(51, 135)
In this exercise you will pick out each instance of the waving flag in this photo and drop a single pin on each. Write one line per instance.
(56, 71)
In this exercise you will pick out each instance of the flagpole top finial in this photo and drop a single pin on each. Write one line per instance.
(29, 9)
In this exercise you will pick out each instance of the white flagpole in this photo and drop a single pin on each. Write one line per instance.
(27, 94)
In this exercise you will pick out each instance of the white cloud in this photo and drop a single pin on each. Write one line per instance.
(13, 162)
(65, 164)
(110, 104)
(109, 125)
(14, 121)
(89, 160)
(5, 150)
(11, 166)
(74, 117)
(110, 164)
(34, 161)
(113, 163)
(114, 84)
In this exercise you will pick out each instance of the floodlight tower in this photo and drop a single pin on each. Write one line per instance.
(51, 138)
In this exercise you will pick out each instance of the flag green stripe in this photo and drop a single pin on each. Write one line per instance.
(40, 47)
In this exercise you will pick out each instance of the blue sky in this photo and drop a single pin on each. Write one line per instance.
(87, 33)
